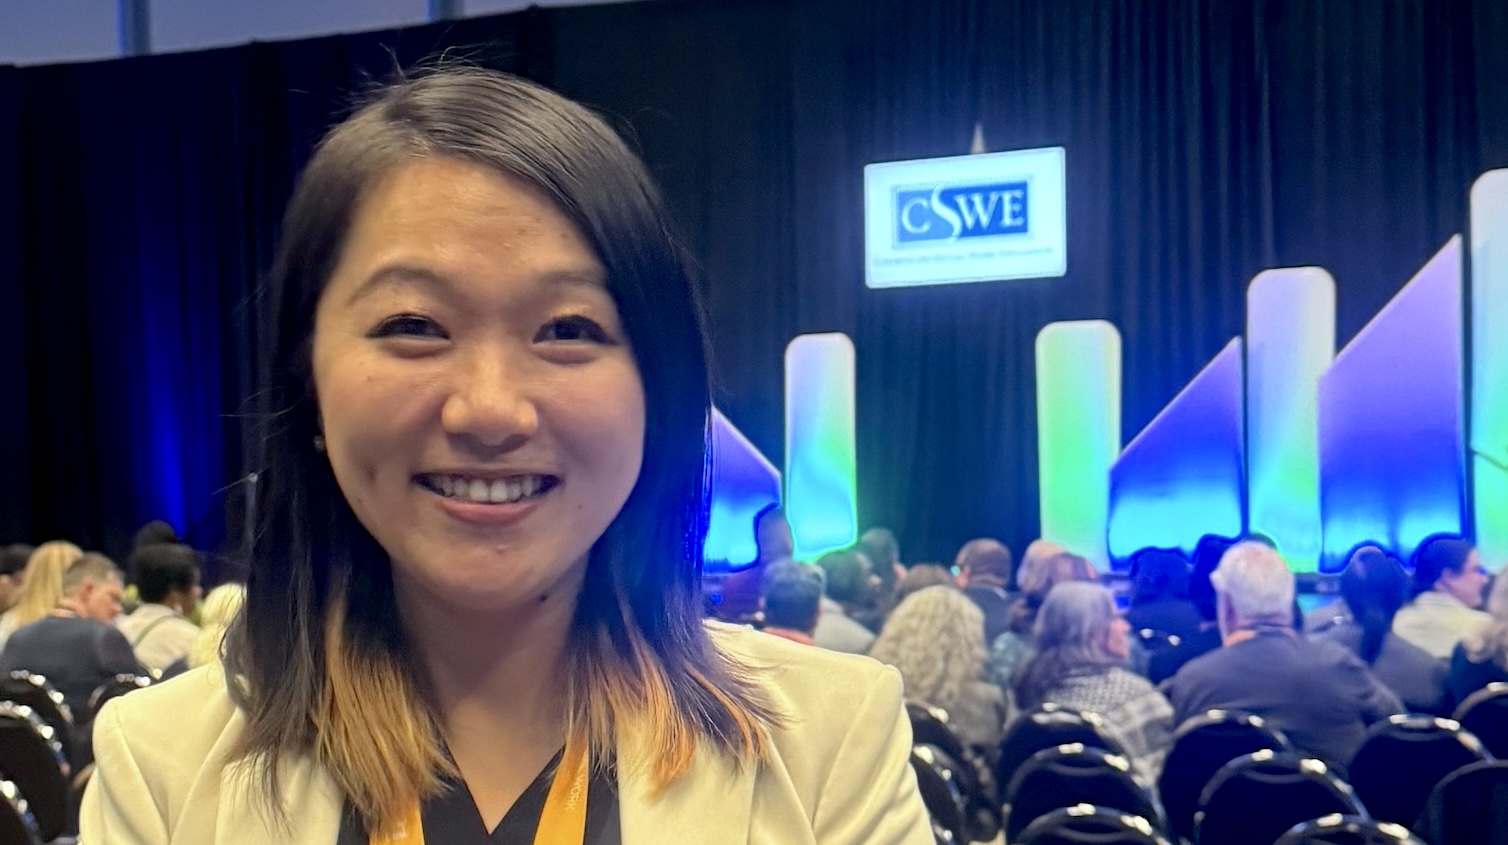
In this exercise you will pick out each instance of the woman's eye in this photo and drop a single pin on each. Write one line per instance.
(572, 329)
(408, 325)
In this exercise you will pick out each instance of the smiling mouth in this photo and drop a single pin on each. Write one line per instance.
(501, 491)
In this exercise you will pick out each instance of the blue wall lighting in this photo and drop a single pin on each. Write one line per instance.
(743, 483)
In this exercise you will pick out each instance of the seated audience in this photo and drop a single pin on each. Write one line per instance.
(1316, 692)
(1160, 600)
(1016, 644)
(1373, 587)
(1334, 611)
(218, 611)
(1482, 657)
(1206, 637)
(884, 554)
(848, 588)
(167, 583)
(1082, 644)
(41, 586)
(12, 562)
(1448, 583)
(935, 638)
(984, 571)
(792, 600)
(75, 645)
(739, 591)
(922, 576)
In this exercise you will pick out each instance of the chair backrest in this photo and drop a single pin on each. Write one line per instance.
(1255, 799)
(1085, 823)
(1157, 642)
(116, 687)
(1049, 727)
(1468, 807)
(981, 807)
(47, 703)
(16, 822)
(1348, 830)
(1402, 759)
(33, 761)
(1201, 746)
(940, 795)
(1485, 714)
(1074, 774)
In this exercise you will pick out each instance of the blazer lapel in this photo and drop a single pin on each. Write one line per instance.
(312, 807)
(709, 805)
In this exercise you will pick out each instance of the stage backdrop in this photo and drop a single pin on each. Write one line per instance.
(1206, 141)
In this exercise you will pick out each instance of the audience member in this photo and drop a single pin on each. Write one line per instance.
(739, 591)
(219, 610)
(1373, 588)
(884, 554)
(1334, 611)
(792, 600)
(1160, 599)
(1482, 657)
(1034, 559)
(984, 572)
(1082, 644)
(1206, 638)
(12, 563)
(935, 638)
(41, 586)
(848, 586)
(922, 576)
(1016, 644)
(167, 582)
(74, 644)
(153, 532)
(1316, 692)
(1448, 583)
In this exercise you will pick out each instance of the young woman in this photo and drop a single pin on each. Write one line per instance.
(472, 614)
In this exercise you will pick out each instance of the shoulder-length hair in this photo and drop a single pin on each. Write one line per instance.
(1072, 634)
(315, 659)
(935, 639)
(42, 581)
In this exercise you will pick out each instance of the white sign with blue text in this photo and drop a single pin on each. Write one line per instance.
(971, 218)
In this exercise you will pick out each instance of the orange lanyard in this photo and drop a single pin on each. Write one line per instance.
(563, 821)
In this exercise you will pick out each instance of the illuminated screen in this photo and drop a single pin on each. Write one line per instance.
(743, 483)
(970, 218)
(821, 464)
(1489, 364)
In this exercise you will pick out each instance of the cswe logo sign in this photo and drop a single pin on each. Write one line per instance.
(955, 212)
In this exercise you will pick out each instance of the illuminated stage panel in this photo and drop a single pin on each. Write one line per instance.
(1290, 342)
(1183, 476)
(821, 493)
(1489, 364)
(1392, 440)
(1078, 431)
(743, 483)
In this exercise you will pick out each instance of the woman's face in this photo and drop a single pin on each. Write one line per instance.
(1118, 644)
(480, 404)
(1468, 583)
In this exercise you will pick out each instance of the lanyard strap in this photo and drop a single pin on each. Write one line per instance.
(563, 821)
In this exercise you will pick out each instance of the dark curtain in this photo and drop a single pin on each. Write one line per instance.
(1206, 141)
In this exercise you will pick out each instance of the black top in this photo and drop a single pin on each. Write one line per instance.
(453, 819)
(1466, 676)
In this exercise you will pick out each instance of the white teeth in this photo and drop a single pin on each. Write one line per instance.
(501, 491)
(498, 492)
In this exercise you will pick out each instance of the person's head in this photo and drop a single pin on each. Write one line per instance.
(792, 596)
(220, 609)
(486, 396)
(92, 587)
(1038, 553)
(1039, 580)
(1207, 554)
(42, 581)
(155, 531)
(848, 577)
(1447, 564)
(935, 638)
(1254, 586)
(167, 573)
(1373, 586)
(1077, 630)
(984, 562)
(772, 535)
(921, 576)
(1159, 574)
(884, 553)
(12, 565)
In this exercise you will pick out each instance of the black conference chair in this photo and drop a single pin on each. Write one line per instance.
(1254, 800)
(1468, 807)
(1485, 714)
(32, 760)
(1157, 642)
(929, 726)
(16, 823)
(1049, 727)
(1084, 824)
(1201, 746)
(940, 795)
(981, 810)
(1402, 759)
(114, 688)
(1073, 774)
(47, 703)
(1348, 830)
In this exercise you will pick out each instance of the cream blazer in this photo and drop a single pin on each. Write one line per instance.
(840, 772)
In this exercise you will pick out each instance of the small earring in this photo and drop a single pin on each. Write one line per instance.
(319, 443)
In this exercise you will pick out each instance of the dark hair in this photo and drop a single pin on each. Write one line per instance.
(879, 545)
(155, 531)
(1374, 586)
(316, 645)
(1207, 554)
(792, 596)
(161, 568)
(1436, 555)
(1159, 574)
(988, 558)
(13, 558)
(847, 574)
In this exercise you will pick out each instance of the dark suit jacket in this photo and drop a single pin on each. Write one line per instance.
(996, 604)
(77, 655)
